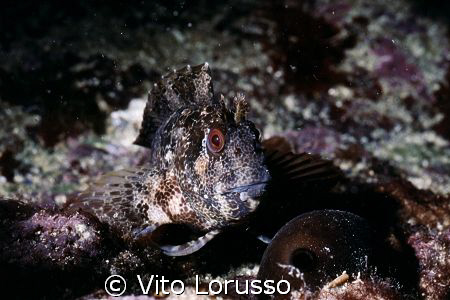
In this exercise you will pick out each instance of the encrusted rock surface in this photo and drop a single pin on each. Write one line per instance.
(364, 83)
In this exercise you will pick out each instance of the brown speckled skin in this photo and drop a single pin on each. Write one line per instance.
(186, 183)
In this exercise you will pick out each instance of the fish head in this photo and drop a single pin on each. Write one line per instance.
(219, 161)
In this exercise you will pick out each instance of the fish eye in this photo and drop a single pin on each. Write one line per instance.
(216, 140)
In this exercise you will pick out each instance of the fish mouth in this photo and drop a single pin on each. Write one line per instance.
(255, 189)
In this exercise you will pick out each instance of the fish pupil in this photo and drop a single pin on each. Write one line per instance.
(216, 141)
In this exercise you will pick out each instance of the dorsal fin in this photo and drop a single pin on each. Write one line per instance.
(180, 88)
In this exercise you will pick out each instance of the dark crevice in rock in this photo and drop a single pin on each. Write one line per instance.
(443, 104)
(304, 46)
(64, 91)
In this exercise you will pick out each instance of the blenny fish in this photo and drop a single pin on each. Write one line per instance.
(208, 169)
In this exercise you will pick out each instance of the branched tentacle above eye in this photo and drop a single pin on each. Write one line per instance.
(242, 108)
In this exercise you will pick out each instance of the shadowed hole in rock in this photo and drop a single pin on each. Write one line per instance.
(8, 165)
(362, 199)
(304, 260)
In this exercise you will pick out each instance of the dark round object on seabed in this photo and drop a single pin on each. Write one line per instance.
(316, 247)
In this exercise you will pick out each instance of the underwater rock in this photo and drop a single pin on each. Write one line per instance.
(49, 252)
(57, 240)
(363, 82)
(370, 288)
(313, 248)
(67, 88)
(317, 140)
(432, 248)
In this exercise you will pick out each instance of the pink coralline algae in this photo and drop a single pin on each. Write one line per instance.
(432, 248)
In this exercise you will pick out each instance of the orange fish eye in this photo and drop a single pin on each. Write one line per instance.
(216, 140)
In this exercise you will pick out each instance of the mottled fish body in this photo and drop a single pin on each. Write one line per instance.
(208, 168)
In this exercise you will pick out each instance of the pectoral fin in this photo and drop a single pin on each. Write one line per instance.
(296, 171)
(264, 238)
(189, 247)
(114, 199)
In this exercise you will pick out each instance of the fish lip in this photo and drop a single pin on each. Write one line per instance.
(260, 185)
